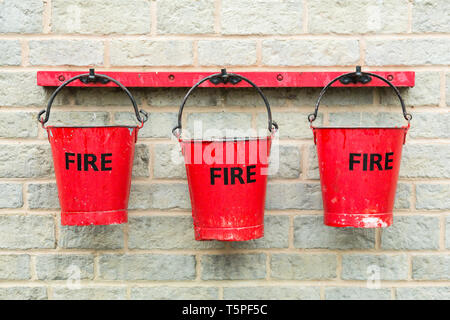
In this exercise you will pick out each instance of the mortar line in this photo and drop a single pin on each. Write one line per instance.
(107, 53)
(410, 16)
(213, 36)
(442, 102)
(25, 52)
(235, 68)
(305, 16)
(47, 17)
(217, 17)
(442, 227)
(228, 283)
(154, 19)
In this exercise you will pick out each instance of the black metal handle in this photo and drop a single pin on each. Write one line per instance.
(224, 77)
(357, 75)
(92, 77)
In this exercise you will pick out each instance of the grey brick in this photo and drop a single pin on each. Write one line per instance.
(426, 91)
(106, 97)
(403, 196)
(168, 162)
(23, 293)
(304, 196)
(423, 293)
(278, 97)
(20, 89)
(185, 16)
(366, 119)
(91, 237)
(432, 196)
(77, 118)
(26, 232)
(290, 124)
(310, 232)
(407, 52)
(350, 17)
(64, 266)
(285, 162)
(66, 52)
(304, 266)
(431, 267)
(232, 52)
(172, 97)
(218, 124)
(90, 293)
(141, 161)
(310, 52)
(430, 16)
(355, 293)
(131, 17)
(174, 293)
(276, 234)
(15, 267)
(151, 53)
(11, 52)
(271, 293)
(447, 85)
(165, 233)
(447, 233)
(18, 16)
(430, 125)
(411, 233)
(358, 266)
(159, 196)
(313, 163)
(347, 97)
(343, 119)
(425, 161)
(25, 161)
(234, 267)
(147, 267)
(251, 17)
(11, 195)
(18, 124)
(43, 195)
(159, 125)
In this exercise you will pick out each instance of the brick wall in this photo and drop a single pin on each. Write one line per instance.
(154, 255)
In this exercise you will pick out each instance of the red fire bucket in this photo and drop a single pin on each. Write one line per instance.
(93, 165)
(227, 178)
(359, 168)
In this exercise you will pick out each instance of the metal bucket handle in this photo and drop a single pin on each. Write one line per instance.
(358, 73)
(92, 77)
(223, 77)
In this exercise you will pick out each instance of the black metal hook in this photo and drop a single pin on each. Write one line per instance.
(356, 77)
(224, 78)
(92, 77)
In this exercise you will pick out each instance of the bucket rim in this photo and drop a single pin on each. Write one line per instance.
(90, 127)
(390, 128)
(236, 139)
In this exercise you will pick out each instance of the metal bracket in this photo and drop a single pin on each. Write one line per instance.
(225, 78)
(93, 78)
(356, 77)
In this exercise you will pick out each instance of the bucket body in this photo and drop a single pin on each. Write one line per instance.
(227, 186)
(359, 170)
(93, 172)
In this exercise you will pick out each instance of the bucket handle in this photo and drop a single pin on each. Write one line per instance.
(93, 77)
(224, 77)
(358, 75)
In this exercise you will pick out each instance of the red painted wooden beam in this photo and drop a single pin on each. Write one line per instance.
(188, 79)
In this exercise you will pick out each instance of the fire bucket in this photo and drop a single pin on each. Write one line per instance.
(359, 168)
(227, 177)
(93, 165)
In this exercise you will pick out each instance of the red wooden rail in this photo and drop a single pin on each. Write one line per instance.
(188, 79)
